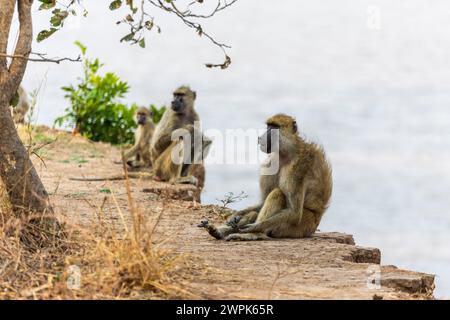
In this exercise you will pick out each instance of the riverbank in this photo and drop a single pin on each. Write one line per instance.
(326, 266)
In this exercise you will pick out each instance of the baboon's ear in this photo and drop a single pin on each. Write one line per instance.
(194, 94)
(295, 127)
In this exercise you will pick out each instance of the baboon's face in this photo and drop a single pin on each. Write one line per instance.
(183, 98)
(269, 141)
(278, 137)
(143, 115)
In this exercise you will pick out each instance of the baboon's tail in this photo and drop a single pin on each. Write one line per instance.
(131, 175)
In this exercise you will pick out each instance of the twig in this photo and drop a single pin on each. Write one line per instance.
(184, 17)
(41, 58)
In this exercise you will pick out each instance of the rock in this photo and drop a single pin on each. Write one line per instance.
(324, 266)
(336, 237)
(364, 255)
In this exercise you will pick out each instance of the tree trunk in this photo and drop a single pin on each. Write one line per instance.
(24, 188)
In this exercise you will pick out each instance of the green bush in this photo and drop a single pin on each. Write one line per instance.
(157, 112)
(96, 110)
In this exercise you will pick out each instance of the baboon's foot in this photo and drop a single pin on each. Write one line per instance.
(217, 232)
(246, 237)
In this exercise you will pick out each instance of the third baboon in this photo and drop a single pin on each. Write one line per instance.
(180, 114)
(20, 110)
(182, 161)
(294, 199)
(139, 155)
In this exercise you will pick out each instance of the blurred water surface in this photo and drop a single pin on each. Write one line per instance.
(376, 97)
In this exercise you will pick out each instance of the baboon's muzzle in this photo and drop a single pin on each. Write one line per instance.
(141, 119)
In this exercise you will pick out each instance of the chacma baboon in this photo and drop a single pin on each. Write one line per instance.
(294, 199)
(180, 114)
(20, 110)
(182, 161)
(139, 155)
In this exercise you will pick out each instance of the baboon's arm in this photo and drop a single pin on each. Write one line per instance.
(286, 218)
(163, 142)
(132, 152)
(255, 208)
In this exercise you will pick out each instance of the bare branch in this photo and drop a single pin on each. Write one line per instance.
(41, 58)
(187, 18)
(220, 6)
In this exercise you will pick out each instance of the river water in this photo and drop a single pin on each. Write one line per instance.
(370, 80)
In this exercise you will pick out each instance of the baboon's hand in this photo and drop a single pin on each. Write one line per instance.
(203, 224)
(233, 222)
(251, 228)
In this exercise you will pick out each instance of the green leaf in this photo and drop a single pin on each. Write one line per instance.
(81, 46)
(115, 5)
(128, 37)
(142, 43)
(44, 34)
(47, 4)
(58, 17)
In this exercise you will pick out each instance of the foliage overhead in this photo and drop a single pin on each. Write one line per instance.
(139, 20)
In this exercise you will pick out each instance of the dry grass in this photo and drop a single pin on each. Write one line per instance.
(95, 263)
(99, 262)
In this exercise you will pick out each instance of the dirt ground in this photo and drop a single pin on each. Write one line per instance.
(326, 266)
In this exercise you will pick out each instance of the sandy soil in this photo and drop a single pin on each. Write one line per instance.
(328, 265)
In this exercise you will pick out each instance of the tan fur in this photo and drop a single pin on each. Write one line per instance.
(172, 120)
(22, 107)
(293, 200)
(192, 172)
(139, 154)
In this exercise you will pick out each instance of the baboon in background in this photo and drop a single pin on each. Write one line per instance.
(139, 155)
(293, 200)
(22, 107)
(191, 170)
(180, 114)
(177, 164)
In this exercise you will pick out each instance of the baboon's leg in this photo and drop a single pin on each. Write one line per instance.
(307, 227)
(248, 218)
(231, 226)
(275, 202)
(220, 232)
(187, 180)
